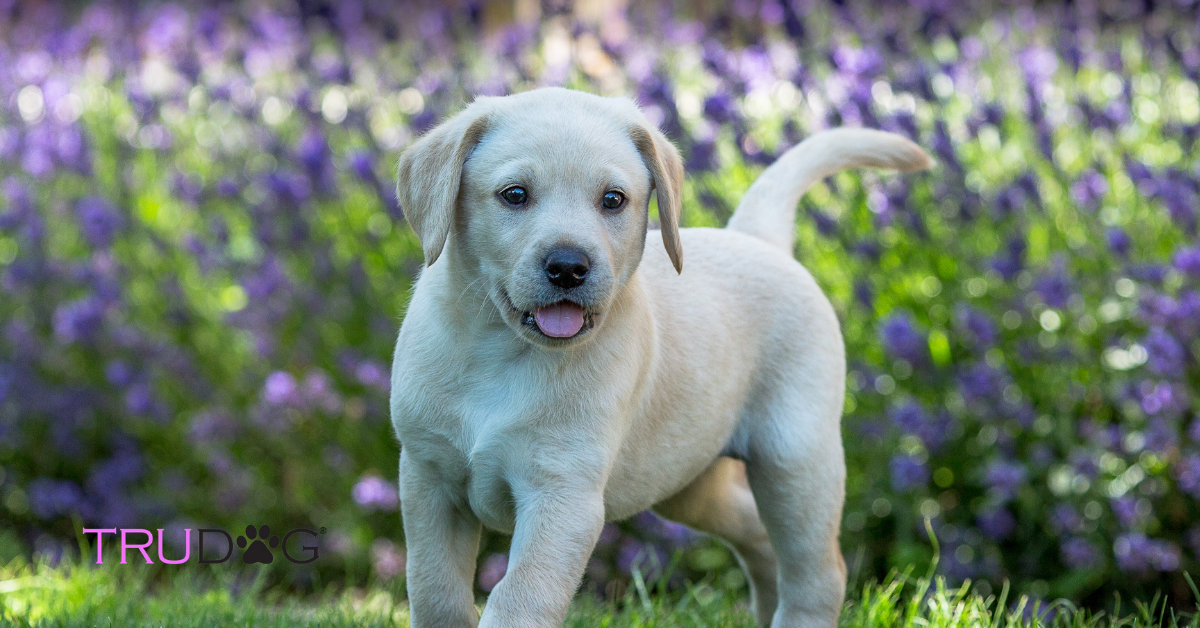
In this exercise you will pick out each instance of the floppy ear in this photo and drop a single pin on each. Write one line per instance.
(666, 168)
(429, 175)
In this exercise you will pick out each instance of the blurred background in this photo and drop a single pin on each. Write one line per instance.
(203, 265)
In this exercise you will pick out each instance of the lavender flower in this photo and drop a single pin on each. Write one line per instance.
(1125, 509)
(1187, 474)
(903, 339)
(1055, 287)
(1065, 518)
(387, 559)
(1167, 356)
(374, 493)
(1187, 260)
(50, 498)
(1005, 478)
(280, 388)
(1137, 553)
(646, 558)
(1089, 190)
(79, 321)
(1118, 241)
(492, 571)
(976, 326)
(998, 523)
(907, 473)
(1077, 553)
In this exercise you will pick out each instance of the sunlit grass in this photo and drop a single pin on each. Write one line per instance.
(69, 596)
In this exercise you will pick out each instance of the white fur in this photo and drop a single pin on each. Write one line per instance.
(683, 376)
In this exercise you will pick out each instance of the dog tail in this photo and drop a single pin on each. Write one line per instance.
(768, 210)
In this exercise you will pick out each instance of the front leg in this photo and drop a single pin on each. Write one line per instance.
(443, 542)
(556, 531)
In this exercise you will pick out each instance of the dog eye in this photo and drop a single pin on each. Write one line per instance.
(613, 200)
(514, 195)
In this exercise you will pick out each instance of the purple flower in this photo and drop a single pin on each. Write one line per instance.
(1010, 201)
(362, 165)
(1005, 478)
(1161, 398)
(1089, 190)
(227, 187)
(269, 279)
(98, 220)
(1185, 324)
(78, 321)
(909, 416)
(50, 498)
(492, 571)
(1065, 518)
(1118, 241)
(668, 531)
(982, 382)
(313, 151)
(387, 560)
(902, 338)
(118, 372)
(996, 523)
(1187, 260)
(1038, 64)
(1011, 260)
(317, 392)
(1161, 435)
(1125, 509)
(864, 62)
(703, 157)
(1077, 553)
(108, 478)
(646, 558)
(373, 374)
(1166, 356)
(908, 473)
(864, 294)
(1187, 474)
(289, 187)
(280, 388)
(719, 108)
(609, 535)
(1137, 553)
(211, 426)
(1055, 286)
(375, 493)
(976, 325)
(139, 399)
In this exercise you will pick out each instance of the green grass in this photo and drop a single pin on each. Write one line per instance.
(78, 596)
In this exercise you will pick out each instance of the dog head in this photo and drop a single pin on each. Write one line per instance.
(545, 196)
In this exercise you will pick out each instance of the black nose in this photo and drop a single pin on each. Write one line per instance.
(567, 268)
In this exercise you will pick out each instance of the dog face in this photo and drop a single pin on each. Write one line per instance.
(545, 195)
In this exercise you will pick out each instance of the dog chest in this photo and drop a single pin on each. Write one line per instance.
(499, 437)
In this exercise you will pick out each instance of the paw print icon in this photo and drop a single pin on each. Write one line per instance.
(258, 552)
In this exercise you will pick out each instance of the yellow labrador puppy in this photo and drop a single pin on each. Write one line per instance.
(557, 368)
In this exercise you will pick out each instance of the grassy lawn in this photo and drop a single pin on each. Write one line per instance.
(83, 596)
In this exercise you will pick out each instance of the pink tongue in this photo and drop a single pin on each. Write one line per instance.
(561, 320)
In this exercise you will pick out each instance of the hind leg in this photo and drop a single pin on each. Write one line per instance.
(720, 503)
(797, 472)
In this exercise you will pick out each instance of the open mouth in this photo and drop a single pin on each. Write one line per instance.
(561, 320)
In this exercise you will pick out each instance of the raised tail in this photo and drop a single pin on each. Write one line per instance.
(768, 210)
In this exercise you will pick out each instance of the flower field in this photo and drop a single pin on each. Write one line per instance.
(203, 266)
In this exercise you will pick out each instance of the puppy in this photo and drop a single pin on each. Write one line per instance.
(557, 368)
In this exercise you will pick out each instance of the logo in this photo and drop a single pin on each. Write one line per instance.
(258, 552)
(257, 545)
